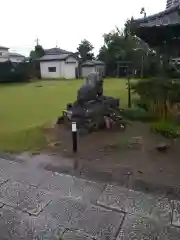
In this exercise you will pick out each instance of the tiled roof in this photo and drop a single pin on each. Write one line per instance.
(54, 57)
(12, 54)
(170, 16)
(92, 63)
(56, 51)
(2, 47)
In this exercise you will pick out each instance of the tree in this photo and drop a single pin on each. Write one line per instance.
(37, 52)
(85, 50)
(34, 56)
(122, 45)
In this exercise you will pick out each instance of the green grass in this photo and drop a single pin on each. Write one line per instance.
(25, 108)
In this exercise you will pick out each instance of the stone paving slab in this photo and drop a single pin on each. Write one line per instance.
(34, 177)
(15, 225)
(64, 211)
(76, 188)
(3, 180)
(21, 172)
(75, 235)
(136, 227)
(44, 228)
(5, 164)
(162, 210)
(8, 168)
(99, 223)
(123, 199)
(176, 213)
(24, 197)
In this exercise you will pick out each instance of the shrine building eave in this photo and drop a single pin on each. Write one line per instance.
(158, 28)
(170, 16)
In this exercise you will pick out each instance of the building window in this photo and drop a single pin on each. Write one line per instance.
(52, 69)
(0, 53)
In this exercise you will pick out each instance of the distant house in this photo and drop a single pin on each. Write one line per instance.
(59, 63)
(92, 66)
(5, 55)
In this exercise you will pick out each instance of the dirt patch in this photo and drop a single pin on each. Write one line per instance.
(133, 152)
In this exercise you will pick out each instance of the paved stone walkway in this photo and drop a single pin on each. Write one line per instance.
(37, 204)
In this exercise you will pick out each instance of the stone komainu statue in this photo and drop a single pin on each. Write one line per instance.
(92, 89)
(91, 106)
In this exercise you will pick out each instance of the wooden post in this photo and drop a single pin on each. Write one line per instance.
(74, 136)
(129, 93)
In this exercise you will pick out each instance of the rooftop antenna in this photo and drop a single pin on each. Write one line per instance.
(56, 43)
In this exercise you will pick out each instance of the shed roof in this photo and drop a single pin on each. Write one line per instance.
(54, 57)
(13, 54)
(93, 63)
(56, 51)
(2, 47)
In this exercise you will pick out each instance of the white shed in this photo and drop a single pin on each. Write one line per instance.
(92, 66)
(59, 66)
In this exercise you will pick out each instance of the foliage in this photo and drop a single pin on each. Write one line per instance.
(85, 50)
(37, 52)
(137, 114)
(34, 56)
(137, 102)
(120, 45)
(159, 95)
(166, 128)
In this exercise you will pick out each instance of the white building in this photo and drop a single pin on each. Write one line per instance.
(58, 63)
(5, 55)
(92, 66)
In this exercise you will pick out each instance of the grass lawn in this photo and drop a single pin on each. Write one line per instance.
(25, 108)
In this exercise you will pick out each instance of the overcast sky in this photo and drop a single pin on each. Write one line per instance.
(65, 22)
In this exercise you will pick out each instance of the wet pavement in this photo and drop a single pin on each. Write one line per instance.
(40, 204)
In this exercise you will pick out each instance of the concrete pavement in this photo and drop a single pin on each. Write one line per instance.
(38, 204)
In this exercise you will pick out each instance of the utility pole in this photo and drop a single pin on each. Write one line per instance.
(37, 41)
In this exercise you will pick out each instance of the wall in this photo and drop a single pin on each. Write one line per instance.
(3, 51)
(64, 69)
(100, 69)
(86, 70)
(70, 66)
(45, 72)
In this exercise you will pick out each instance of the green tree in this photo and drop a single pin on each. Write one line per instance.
(34, 56)
(122, 45)
(37, 52)
(85, 49)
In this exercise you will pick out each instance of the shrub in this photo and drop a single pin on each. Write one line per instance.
(137, 114)
(166, 128)
(138, 102)
(158, 95)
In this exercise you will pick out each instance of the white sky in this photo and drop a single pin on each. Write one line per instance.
(65, 22)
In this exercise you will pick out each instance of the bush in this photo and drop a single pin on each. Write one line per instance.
(158, 95)
(137, 114)
(139, 103)
(166, 128)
